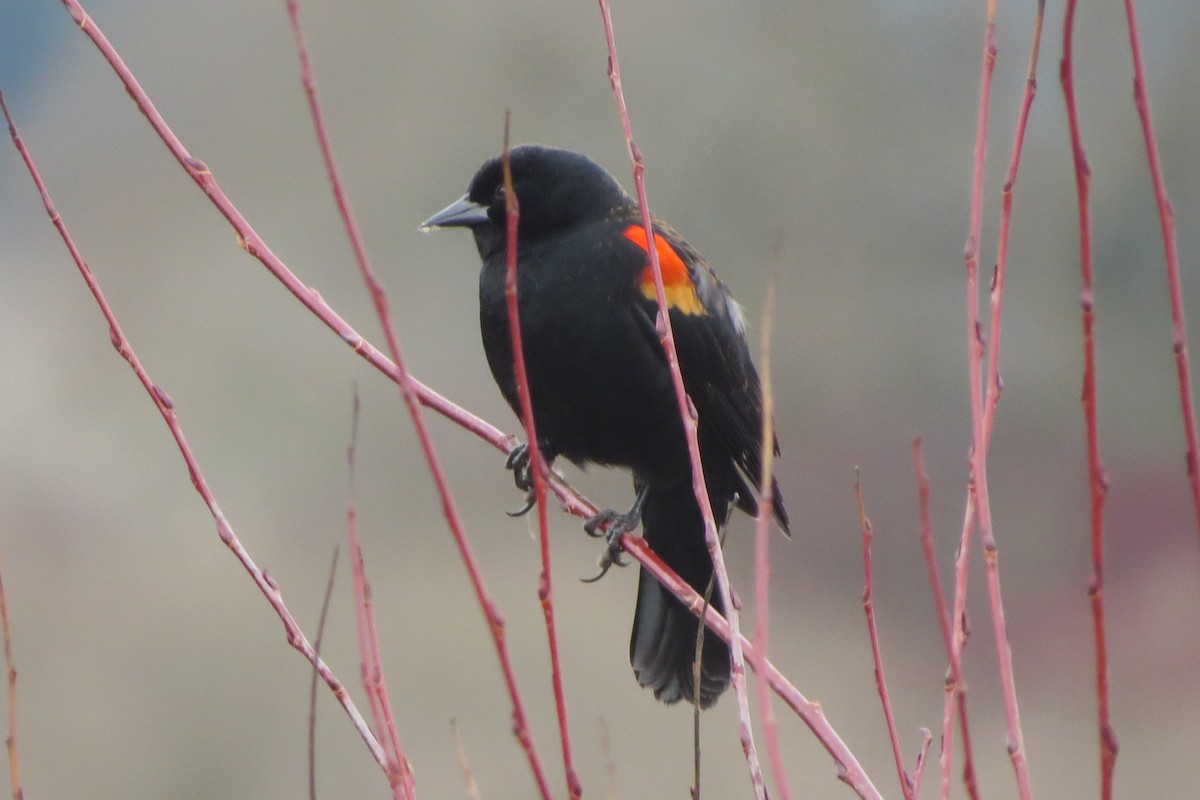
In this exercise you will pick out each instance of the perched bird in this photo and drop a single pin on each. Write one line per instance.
(601, 388)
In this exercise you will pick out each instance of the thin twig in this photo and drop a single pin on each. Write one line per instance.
(412, 397)
(1166, 219)
(868, 600)
(850, 770)
(253, 244)
(370, 655)
(955, 687)
(312, 689)
(1097, 477)
(687, 413)
(974, 360)
(537, 463)
(996, 294)
(697, 666)
(398, 771)
(14, 763)
(762, 537)
(166, 408)
(922, 754)
(960, 631)
(991, 550)
(983, 409)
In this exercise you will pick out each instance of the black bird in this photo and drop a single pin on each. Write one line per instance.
(602, 392)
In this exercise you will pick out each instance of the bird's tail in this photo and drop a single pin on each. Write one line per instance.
(662, 649)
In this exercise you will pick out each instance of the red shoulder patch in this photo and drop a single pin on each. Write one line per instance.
(677, 280)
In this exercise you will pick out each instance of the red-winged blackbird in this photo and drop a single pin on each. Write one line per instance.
(601, 389)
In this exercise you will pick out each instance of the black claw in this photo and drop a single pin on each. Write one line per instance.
(520, 463)
(530, 502)
(606, 520)
(610, 556)
(615, 526)
(604, 565)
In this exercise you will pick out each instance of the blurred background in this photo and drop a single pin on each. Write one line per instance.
(151, 667)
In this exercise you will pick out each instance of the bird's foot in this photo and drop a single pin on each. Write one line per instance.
(611, 525)
(521, 463)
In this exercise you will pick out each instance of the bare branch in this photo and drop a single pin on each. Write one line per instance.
(868, 600)
(955, 687)
(312, 689)
(762, 537)
(14, 762)
(1166, 219)
(1097, 478)
(398, 770)
(983, 408)
(166, 408)
(537, 463)
(687, 413)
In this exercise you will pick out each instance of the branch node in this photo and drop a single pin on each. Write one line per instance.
(164, 399)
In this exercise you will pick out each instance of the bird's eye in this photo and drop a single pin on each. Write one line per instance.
(498, 195)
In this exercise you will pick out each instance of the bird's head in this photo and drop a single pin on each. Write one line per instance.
(555, 189)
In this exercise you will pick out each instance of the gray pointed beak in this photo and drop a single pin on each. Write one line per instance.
(462, 213)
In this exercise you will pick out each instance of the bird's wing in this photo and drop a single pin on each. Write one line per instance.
(718, 372)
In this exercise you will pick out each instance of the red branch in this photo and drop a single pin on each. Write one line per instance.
(1097, 478)
(994, 385)
(253, 244)
(412, 402)
(955, 687)
(537, 464)
(868, 600)
(983, 409)
(166, 408)
(762, 541)
(687, 413)
(1166, 219)
(14, 763)
(398, 770)
(922, 754)
(974, 358)
(312, 689)
(811, 713)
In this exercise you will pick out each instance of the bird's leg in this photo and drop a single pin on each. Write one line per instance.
(615, 525)
(521, 464)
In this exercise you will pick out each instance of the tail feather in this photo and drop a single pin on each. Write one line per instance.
(662, 648)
